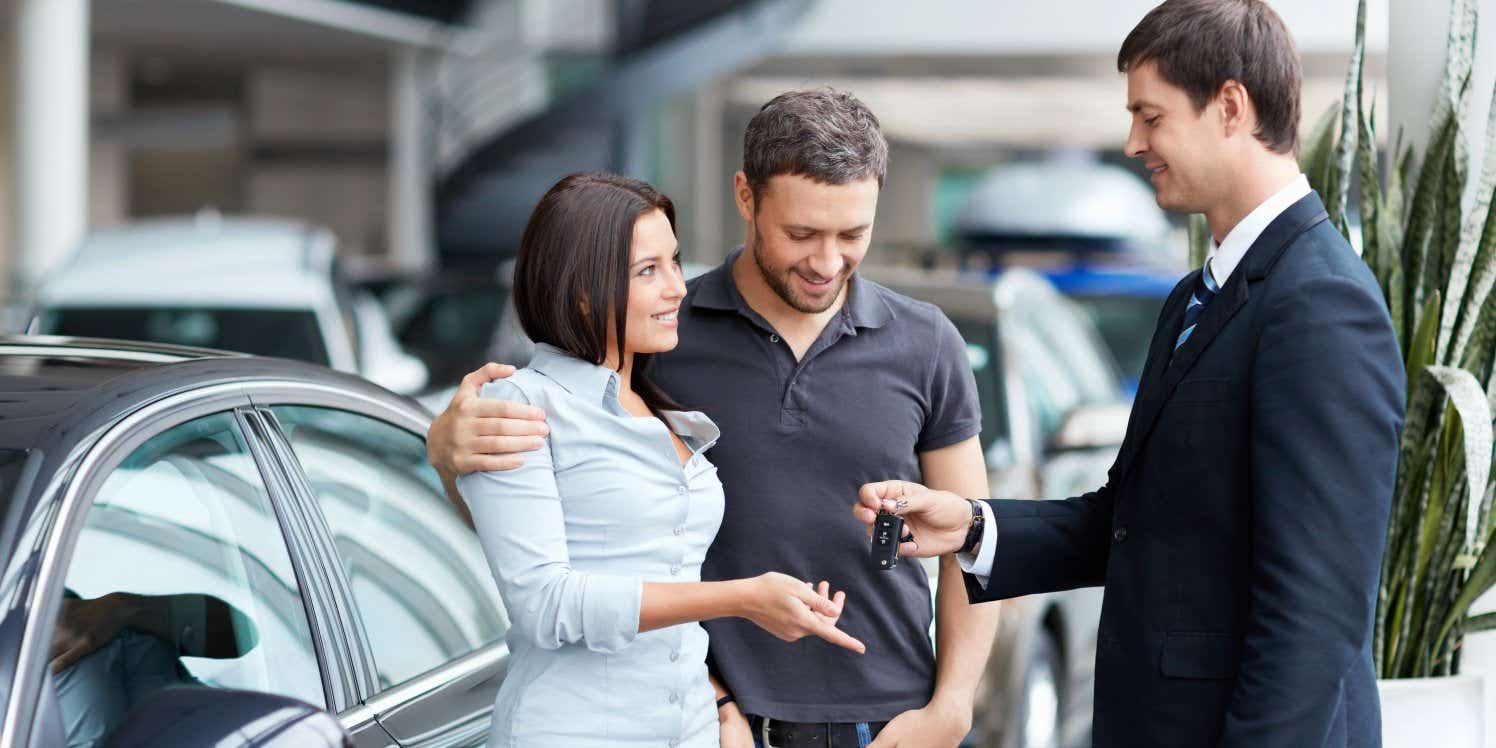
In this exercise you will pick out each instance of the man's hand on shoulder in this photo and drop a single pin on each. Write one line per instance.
(477, 434)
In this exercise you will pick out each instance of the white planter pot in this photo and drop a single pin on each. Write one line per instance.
(1427, 712)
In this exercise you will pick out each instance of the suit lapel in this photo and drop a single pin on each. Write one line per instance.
(1220, 311)
(1151, 391)
(1163, 373)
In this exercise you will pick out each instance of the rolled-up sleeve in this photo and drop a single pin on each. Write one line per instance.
(521, 523)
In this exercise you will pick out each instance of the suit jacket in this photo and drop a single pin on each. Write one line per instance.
(1240, 533)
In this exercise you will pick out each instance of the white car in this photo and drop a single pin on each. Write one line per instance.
(268, 287)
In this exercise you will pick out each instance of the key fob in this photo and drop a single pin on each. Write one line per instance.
(887, 531)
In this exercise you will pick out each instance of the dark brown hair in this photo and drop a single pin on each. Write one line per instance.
(1198, 45)
(573, 268)
(825, 134)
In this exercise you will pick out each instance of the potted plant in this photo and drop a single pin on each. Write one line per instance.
(1435, 260)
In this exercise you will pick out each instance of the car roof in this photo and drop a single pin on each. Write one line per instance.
(56, 391)
(227, 261)
(1062, 198)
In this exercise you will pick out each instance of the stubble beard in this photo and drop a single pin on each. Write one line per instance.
(782, 285)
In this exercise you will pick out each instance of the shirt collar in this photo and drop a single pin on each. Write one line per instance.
(580, 378)
(587, 380)
(865, 305)
(1228, 254)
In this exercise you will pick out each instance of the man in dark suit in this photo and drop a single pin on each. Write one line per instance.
(1240, 533)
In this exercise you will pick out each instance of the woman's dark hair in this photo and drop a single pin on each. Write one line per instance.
(573, 269)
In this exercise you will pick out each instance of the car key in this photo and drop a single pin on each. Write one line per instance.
(888, 530)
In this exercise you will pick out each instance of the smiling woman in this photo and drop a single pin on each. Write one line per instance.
(597, 539)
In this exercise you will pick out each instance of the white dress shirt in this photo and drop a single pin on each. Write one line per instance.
(1221, 262)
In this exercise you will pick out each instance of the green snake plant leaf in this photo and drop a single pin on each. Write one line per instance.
(1471, 244)
(1482, 622)
(1317, 153)
(1469, 400)
(1338, 196)
(1199, 240)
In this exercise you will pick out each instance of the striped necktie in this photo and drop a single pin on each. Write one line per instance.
(1205, 290)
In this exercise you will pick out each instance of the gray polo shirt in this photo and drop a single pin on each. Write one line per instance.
(886, 380)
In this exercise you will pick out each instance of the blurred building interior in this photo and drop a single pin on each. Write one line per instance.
(421, 131)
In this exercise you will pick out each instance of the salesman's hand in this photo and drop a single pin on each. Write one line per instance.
(938, 520)
(476, 434)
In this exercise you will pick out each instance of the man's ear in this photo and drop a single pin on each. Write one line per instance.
(742, 194)
(1237, 112)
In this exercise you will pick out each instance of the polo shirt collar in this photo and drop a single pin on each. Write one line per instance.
(864, 307)
(580, 378)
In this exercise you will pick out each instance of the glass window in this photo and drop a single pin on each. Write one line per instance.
(180, 577)
(986, 366)
(1126, 324)
(423, 588)
(286, 333)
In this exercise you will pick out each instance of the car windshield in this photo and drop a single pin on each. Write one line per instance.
(286, 333)
(1126, 324)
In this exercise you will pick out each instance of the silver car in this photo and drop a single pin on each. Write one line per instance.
(188, 532)
(1052, 421)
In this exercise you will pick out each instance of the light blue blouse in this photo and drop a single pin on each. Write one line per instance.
(571, 537)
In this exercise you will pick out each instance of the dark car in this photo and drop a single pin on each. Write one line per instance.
(192, 533)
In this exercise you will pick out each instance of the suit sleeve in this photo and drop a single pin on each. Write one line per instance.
(1046, 546)
(521, 523)
(1327, 404)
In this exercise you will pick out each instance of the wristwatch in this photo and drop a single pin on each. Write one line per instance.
(974, 532)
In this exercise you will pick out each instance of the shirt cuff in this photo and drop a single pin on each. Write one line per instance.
(980, 565)
(610, 612)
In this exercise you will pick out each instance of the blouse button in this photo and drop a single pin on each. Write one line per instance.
(773, 338)
(679, 530)
(675, 568)
(674, 656)
(673, 697)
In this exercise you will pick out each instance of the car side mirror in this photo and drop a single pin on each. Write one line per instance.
(227, 717)
(1092, 426)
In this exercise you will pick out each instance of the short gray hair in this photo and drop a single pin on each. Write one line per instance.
(825, 134)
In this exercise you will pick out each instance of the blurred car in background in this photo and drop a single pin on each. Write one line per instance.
(1123, 302)
(1094, 230)
(256, 540)
(1052, 422)
(448, 319)
(262, 286)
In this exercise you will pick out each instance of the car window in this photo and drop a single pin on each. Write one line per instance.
(986, 366)
(1126, 324)
(285, 333)
(1074, 345)
(180, 578)
(423, 588)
